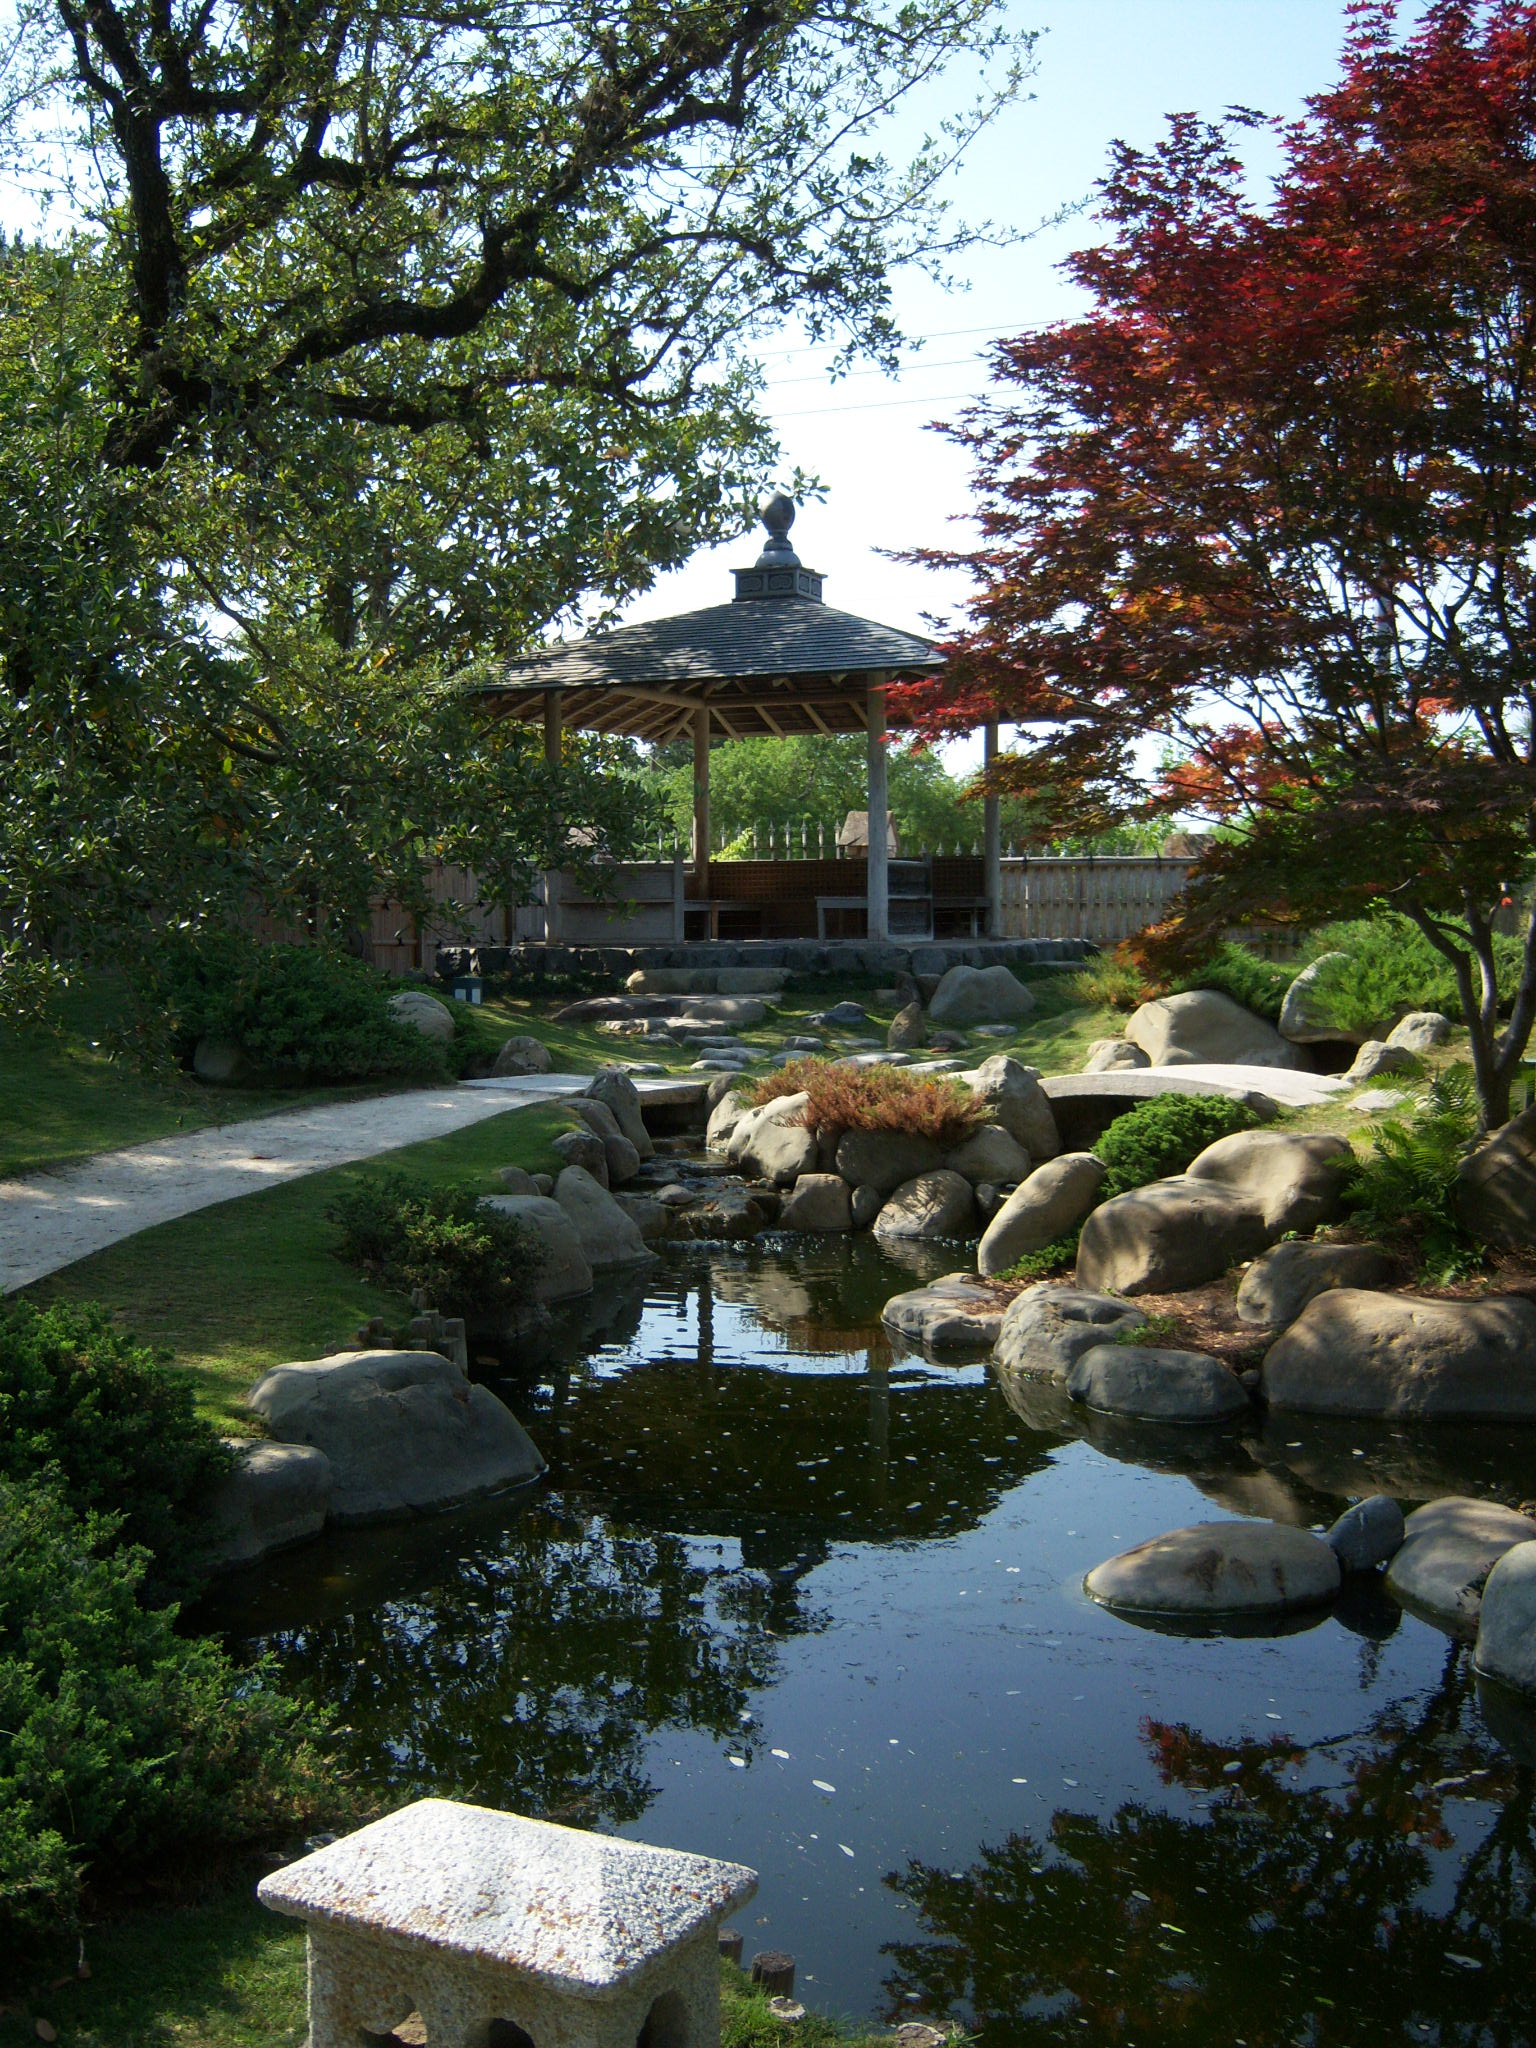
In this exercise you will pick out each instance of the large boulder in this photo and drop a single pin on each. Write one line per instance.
(423, 1013)
(909, 1027)
(980, 995)
(1449, 1548)
(773, 1144)
(274, 1496)
(726, 1113)
(522, 1055)
(1048, 1328)
(1420, 1030)
(990, 1154)
(1506, 1628)
(653, 1219)
(1155, 1385)
(1114, 1056)
(1306, 1015)
(1216, 1568)
(1015, 1099)
(1294, 1180)
(1496, 1186)
(1368, 1534)
(1354, 1352)
(1167, 1236)
(608, 1236)
(1376, 1057)
(956, 1313)
(563, 1271)
(405, 1431)
(1203, 1027)
(884, 1159)
(1053, 1200)
(615, 1090)
(585, 1149)
(1280, 1282)
(620, 1156)
(933, 1205)
(818, 1202)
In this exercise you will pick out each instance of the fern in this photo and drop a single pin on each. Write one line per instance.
(1408, 1183)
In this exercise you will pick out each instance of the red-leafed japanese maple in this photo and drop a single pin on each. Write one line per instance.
(1272, 504)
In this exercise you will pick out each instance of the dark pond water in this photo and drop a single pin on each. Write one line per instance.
(789, 1599)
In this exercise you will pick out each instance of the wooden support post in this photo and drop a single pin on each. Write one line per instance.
(701, 810)
(992, 838)
(879, 884)
(774, 1971)
(552, 875)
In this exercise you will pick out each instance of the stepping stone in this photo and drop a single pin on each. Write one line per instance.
(1449, 1549)
(1219, 1568)
(1156, 1385)
(952, 1314)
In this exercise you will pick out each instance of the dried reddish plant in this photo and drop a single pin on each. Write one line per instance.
(844, 1098)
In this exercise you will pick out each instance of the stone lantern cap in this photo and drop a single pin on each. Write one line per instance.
(579, 1913)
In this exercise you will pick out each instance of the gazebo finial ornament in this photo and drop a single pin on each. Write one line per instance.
(778, 515)
(777, 572)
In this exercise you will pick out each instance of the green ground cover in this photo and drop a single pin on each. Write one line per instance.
(248, 1284)
(229, 1974)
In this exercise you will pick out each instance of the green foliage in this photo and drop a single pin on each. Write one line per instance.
(295, 1010)
(1161, 1136)
(122, 1743)
(1406, 1186)
(846, 1098)
(1055, 1257)
(440, 1244)
(105, 1419)
(1393, 968)
(1259, 985)
(474, 1046)
(1155, 1330)
(1111, 981)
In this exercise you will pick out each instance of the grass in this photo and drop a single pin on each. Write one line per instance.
(248, 1284)
(229, 1974)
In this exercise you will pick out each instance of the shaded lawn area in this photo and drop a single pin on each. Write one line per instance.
(231, 1975)
(245, 1285)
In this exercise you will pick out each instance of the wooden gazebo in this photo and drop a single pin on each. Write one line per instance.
(775, 661)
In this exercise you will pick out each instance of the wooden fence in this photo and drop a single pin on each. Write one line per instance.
(1099, 897)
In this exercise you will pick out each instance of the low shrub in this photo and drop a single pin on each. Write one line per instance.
(440, 1244)
(1110, 981)
(1259, 985)
(1406, 1185)
(299, 1011)
(1391, 967)
(122, 1743)
(844, 1098)
(1161, 1136)
(474, 1046)
(110, 1423)
(1047, 1259)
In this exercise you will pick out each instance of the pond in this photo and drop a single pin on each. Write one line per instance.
(790, 1599)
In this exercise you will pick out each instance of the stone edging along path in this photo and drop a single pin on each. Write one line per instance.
(49, 1220)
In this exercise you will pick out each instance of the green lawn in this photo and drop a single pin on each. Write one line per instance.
(231, 1975)
(245, 1285)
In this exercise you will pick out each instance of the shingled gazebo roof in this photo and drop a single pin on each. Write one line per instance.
(774, 661)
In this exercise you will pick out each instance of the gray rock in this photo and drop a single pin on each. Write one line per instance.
(1506, 1628)
(841, 1017)
(1368, 1534)
(1053, 1200)
(221, 1063)
(751, 981)
(1354, 1352)
(608, 1236)
(652, 1218)
(980, 995)
(772, 1143)
(1155, 1385)
(1015, 1099)
(563, 1271)
(1204, 1027)
(1496, 1186)
(1420, 1030)
(615, 1090)
(405, 1431)
(276, 1495)
(1449, 1548)
(583, 1148)
(1306, 1017)
(726, 1112)
(544, 1183)
(1047, 1328)
(1280, 1282)
(516, 1180)
(423, 1013)
(1294, 1180)
(990, 1154)
(953, 1314)
(884, 1159)
(1377, 1057)
(865, 1206)
(1167, 1236)
(908, 1028)
(818, 1201)
(1114, 1056)
(934, 1205)
(522, 1055)
(619, 1155)
(1219, 1568)
(715, 1093)
(989, 1199)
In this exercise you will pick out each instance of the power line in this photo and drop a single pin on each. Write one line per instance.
(939, 334)
(876, 405)
(950, 363)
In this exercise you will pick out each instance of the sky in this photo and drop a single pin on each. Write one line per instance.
(1106, 69)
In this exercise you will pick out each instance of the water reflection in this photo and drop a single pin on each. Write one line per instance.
(1307, 1897)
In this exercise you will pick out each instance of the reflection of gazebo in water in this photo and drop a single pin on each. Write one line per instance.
(775, 662)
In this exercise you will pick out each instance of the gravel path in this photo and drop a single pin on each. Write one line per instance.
(49, 1220)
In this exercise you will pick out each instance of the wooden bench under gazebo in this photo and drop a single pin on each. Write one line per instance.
(775, 662)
